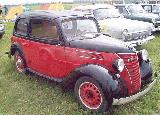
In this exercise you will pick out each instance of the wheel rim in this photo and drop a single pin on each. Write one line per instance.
(19, 63)
(90, 95)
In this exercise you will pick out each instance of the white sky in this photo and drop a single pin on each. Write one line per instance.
(14, 2)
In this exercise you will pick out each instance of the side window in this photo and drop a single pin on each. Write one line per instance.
(122, 10)
(147, 8)
(44, 29)
(125, 11)
(21, 27)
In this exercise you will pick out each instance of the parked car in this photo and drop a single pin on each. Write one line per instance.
(136, 12)
(114, 24)
(69, 48)
(151, 8)
(2, 29)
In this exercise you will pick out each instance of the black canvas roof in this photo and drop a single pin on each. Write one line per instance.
(52, 14)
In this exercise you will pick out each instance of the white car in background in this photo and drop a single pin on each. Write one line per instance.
(2, 29)
(114, 24)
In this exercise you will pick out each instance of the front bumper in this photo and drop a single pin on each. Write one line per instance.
(140, 42)
(156, 29)
(2, 32)
(133, 97)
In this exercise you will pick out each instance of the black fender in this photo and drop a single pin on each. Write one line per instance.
(146, 72)
(97, 72)
(16, 47)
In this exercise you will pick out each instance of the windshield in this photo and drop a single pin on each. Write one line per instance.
(106, 13)
(136, 9)
(78, 27)
(156, 8)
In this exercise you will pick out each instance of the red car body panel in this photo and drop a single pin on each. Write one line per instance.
(132, 71)
(58, 61)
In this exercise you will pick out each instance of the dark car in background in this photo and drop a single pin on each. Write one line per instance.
(136, 12)
(152, 8)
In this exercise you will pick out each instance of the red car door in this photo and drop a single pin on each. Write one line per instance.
(46, 54)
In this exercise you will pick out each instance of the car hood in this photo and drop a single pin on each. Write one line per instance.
(147, 15)
(120, 24)
(101, 43)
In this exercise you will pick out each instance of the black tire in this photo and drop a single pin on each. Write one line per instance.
(1, 36)
(19, 59)
(100, 101)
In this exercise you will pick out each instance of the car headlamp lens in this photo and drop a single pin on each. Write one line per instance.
(126, 36)
(125, 32)
(119, 65)
(153, 20)
(144, 54)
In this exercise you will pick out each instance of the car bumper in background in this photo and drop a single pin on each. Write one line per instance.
(2, 32)
(140, 42)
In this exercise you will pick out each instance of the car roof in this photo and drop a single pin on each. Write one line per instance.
(150, 4)
(93, 7)
(52, 14)
(126, 5)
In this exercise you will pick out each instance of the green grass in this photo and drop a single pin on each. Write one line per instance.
(32, 95)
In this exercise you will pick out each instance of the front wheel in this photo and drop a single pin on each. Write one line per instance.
(90, 95)
(19, 62)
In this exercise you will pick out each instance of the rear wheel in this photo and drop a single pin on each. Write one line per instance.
(90, 95)
(19, 62)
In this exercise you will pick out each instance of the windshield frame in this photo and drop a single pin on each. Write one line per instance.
(78, 18)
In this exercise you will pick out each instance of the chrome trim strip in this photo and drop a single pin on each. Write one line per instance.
(140, 42)
(45, 76)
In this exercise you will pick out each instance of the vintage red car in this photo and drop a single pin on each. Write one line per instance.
(68, 47)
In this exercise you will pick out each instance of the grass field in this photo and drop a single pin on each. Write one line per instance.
(32, 95)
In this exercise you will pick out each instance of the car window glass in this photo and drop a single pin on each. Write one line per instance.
(82, 25)
(122, 10)
(136, 9)
(147, 8)
(156, 8)
(106, 13)
(78, 27)
(43, 29)
(67, 25)
(21, 27)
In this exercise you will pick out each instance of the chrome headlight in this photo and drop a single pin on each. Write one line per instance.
(119, 65)
(1, 26)
(144, 54)
(125, 32)
(126, 36)
(153, 20)
(152, 28)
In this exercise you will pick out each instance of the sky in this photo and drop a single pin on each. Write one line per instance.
(15, 2)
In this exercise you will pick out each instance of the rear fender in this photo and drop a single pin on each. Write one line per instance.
(14, 48)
